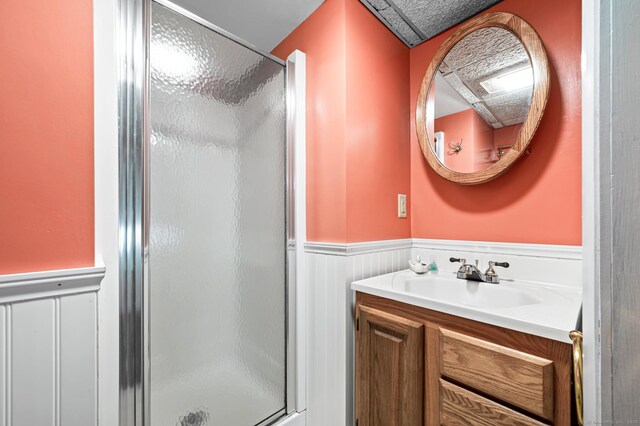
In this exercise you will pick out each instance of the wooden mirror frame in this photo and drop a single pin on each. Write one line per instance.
(535, 49)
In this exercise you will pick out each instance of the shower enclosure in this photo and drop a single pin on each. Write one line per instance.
(208, 289)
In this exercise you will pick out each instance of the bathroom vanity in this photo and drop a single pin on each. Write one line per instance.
(434, 350)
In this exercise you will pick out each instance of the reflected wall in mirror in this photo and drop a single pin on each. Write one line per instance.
(482, 98)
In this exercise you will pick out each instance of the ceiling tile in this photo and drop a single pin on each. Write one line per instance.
(424, 18)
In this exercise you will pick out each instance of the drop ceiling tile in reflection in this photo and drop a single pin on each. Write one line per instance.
(510, 107)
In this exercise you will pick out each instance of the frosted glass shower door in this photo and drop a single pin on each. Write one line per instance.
(217, 242)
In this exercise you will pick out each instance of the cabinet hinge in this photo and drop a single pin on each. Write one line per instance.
(356, 422)
(357, 329)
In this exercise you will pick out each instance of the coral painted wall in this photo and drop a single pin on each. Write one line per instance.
(378, 152)
(539, 199)
(46, 135)
(357, 125)
(482, 143)
(476, 136)
(505, 135)
(322, 38)
(457, 127)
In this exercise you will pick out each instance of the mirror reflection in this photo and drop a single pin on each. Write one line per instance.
(479, 99)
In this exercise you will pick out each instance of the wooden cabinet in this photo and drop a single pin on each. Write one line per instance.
(416, 366)
(390, 373)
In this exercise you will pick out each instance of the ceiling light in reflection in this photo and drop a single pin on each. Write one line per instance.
(509, 81)
(172, 61)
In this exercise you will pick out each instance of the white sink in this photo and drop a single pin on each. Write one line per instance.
(542, 309)
(466, 293)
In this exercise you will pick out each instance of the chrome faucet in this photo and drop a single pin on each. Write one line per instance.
(471, 272)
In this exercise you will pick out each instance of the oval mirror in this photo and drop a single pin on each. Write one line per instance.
(482, 98)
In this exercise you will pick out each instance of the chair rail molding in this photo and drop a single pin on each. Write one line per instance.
(46, 284)
(511, 249)
(352, 249)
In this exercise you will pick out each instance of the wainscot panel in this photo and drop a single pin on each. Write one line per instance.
(48, 347)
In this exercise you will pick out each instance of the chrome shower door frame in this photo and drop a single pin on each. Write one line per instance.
(134, 27)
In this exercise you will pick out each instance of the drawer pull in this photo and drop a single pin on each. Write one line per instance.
(576, 338)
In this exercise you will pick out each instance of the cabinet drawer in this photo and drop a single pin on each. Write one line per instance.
(517, 378)
(461, 407)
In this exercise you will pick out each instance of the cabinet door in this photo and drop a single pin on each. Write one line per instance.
(389, 369)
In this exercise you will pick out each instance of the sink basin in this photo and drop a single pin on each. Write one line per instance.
(466, 293)
(542, 309)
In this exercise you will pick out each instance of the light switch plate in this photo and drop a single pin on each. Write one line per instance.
(402, 205)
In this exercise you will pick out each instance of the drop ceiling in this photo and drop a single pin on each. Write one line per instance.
(480, 57)
(262, 23)
(415, 21)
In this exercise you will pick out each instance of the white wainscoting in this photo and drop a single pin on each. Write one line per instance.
(48, 348)
(331, 267)
(532, 262)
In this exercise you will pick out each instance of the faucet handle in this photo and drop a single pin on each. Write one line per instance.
(461, 269)
(491, 272)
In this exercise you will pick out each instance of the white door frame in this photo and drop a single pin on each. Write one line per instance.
(596, 213)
